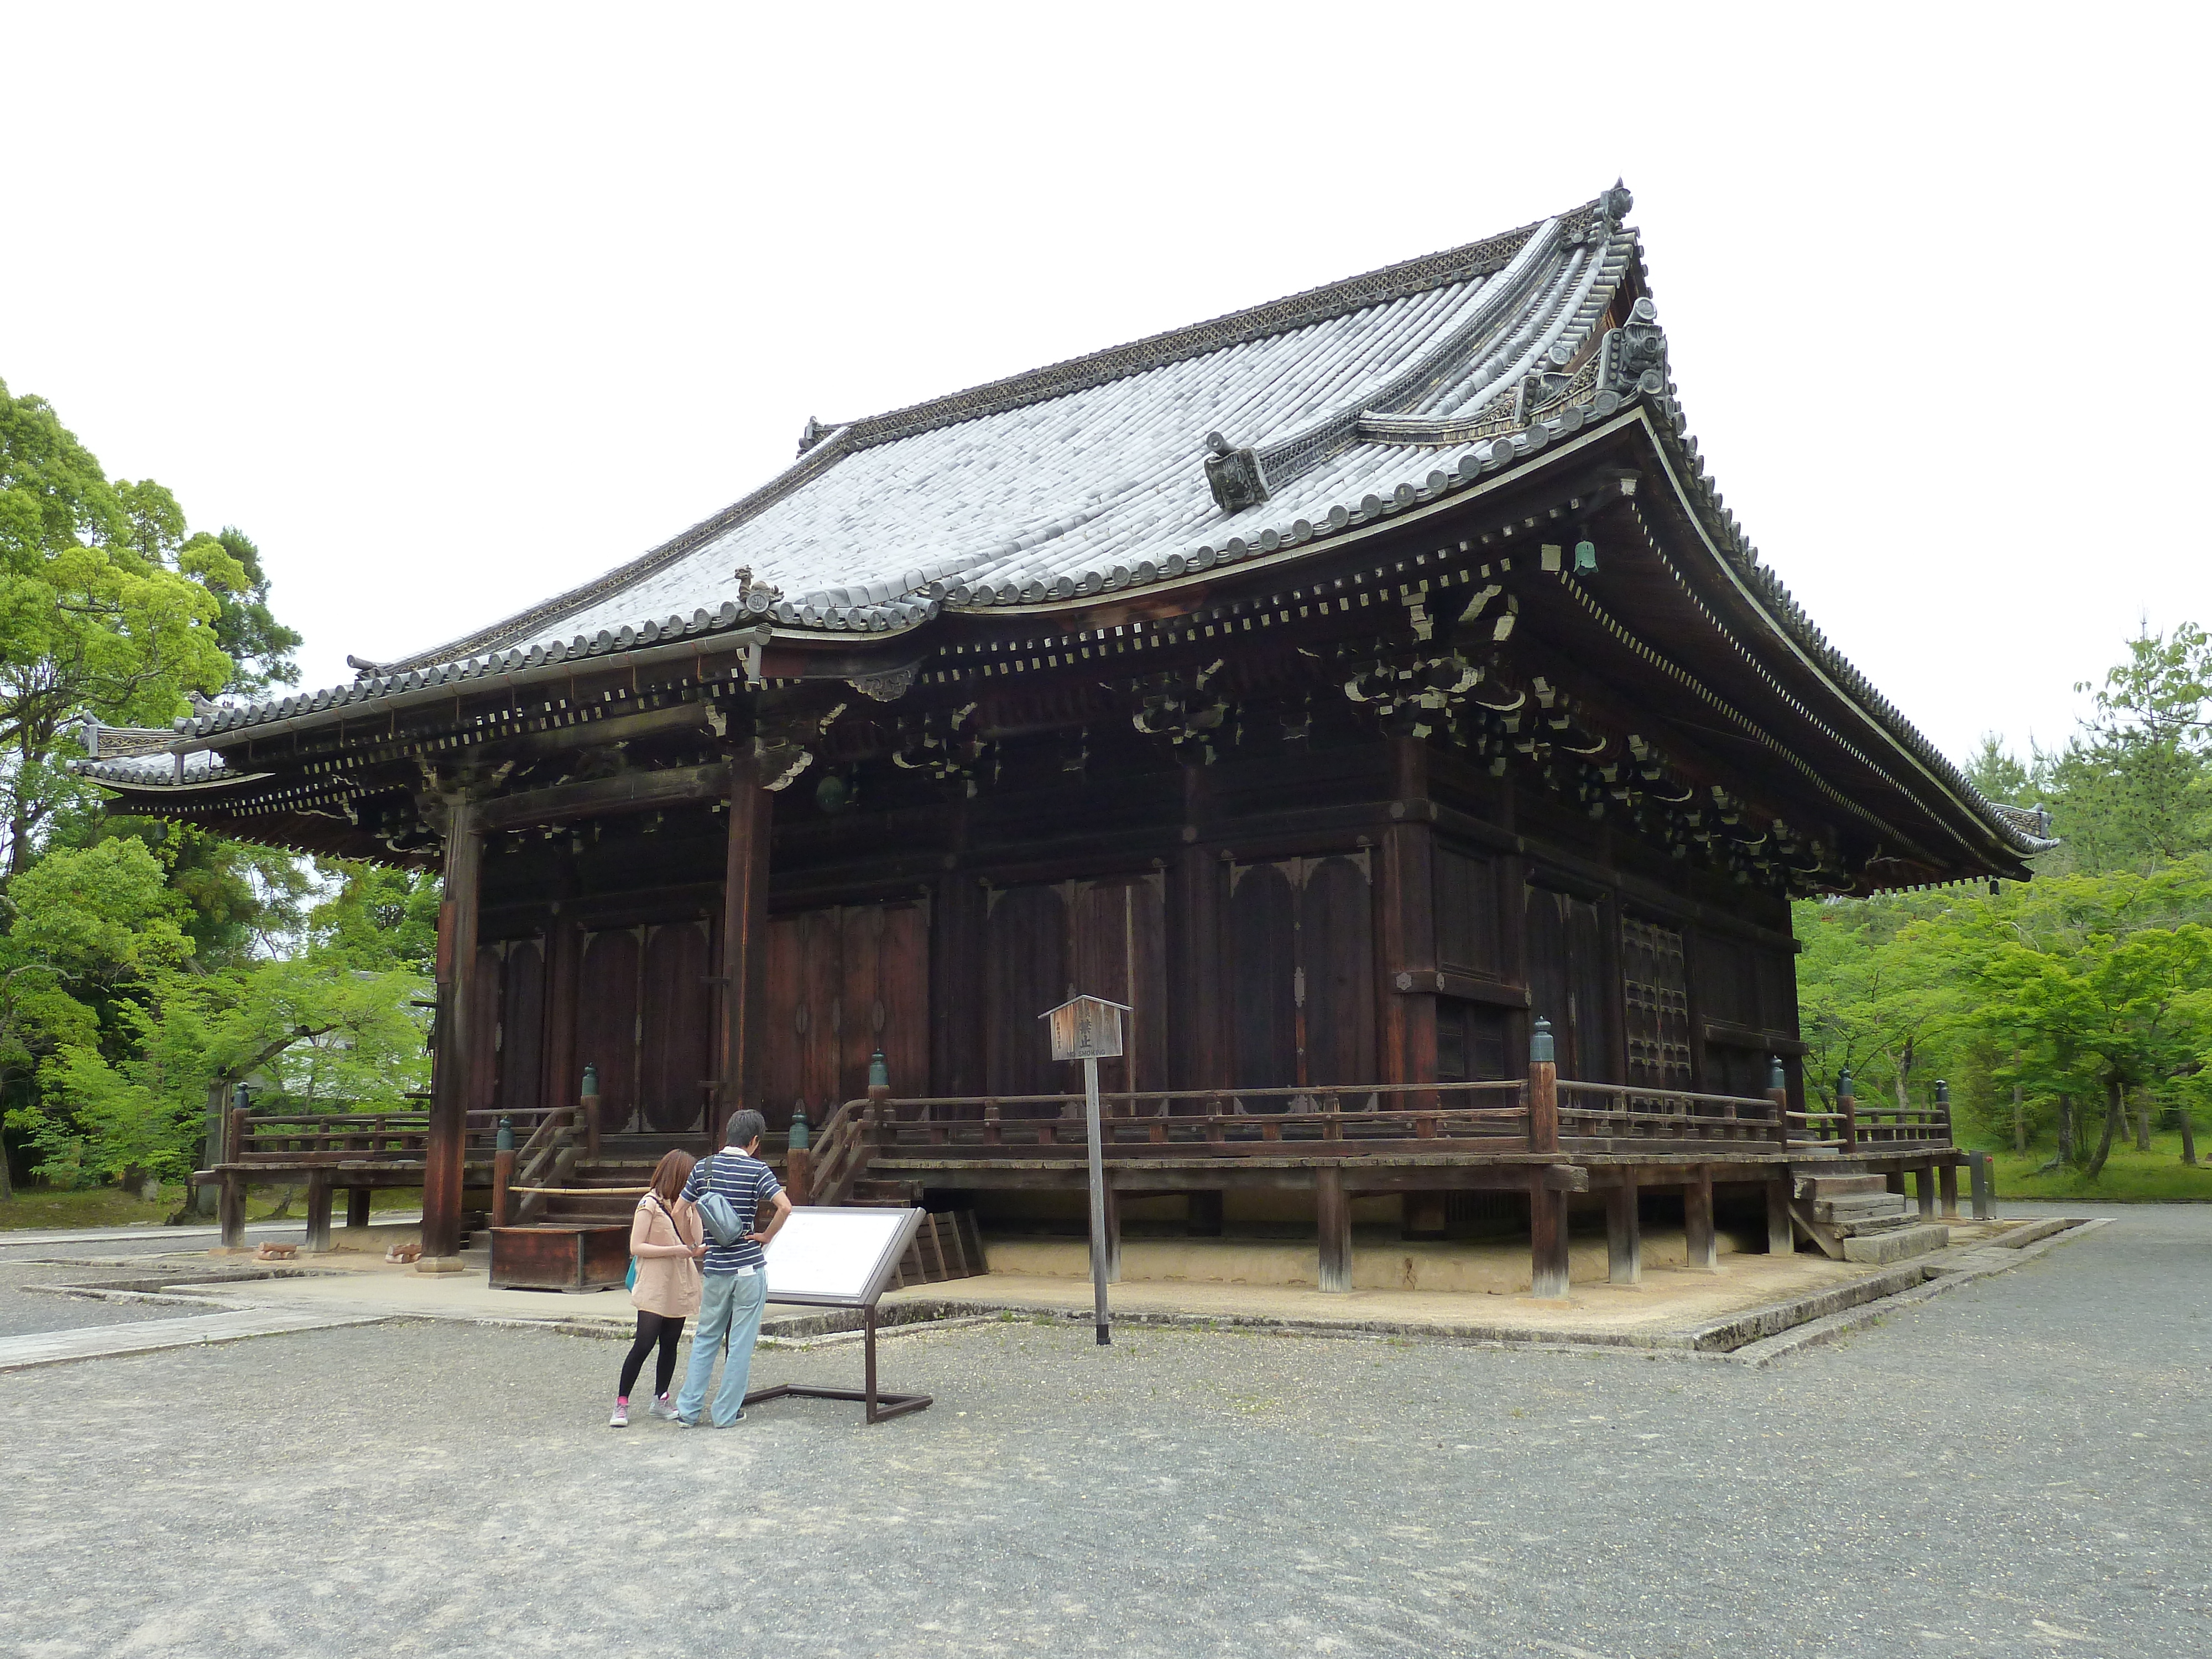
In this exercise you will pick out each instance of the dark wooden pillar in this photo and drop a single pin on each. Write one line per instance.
(1547, 1240)
(446, 1144)
(357, 1206)
(230, 1209)
(1333, 1222)
(1781, 1238)
(318, 1210)
(741, 1046)
(1924, 1189)
(1698, 1222)
(1946, 1190)
(1404, 924)
(1200, 1051)
(1624, 1236)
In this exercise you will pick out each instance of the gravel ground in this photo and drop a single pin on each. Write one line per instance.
(2017, 1468)
(21, 1314)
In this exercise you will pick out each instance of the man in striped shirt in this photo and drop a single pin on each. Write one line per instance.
(735, 1285)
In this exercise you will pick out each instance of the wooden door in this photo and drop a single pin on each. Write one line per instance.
(522, 1026)
(842, 983)
(1025, 974)
(606, 1022)
(1117, 947)
(1302, 972)
(1656, 998)
(676, 1056)
(1568, 983)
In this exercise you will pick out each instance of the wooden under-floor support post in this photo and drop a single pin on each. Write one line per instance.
(318, 1210)
(1424, 1216)
(1781, 1236)
(1947, 1191)
(741, 1049)
(445, 1147)
(1698, 1222)
(1203, 1219)
(1547, 1241)
(1333, 1221)
(1923, 1190)
(356, 1206)
(1624, 1236)
(230, 1208)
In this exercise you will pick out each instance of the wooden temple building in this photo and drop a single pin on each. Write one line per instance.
(1366, 687)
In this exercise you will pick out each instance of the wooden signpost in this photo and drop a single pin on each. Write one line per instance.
(1089, 1029)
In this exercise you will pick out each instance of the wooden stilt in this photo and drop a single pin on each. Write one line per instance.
(1424, 1215)
(1624, 1236)
(1204, 1216)
(741, 1049)
(319, 1211)
(230, 1209)
(1923, 1186)
(1781, 1237)
(1698, 1222)
(1333, 1219)
(446, 1145)
(1947, 1191)
(1547, 1241)
(356, 1206)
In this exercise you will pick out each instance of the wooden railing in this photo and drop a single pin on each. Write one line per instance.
(1857, 1128)
(327, 1137)
(1608, 1112)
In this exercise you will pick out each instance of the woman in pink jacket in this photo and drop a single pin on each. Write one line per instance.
(666, 1238)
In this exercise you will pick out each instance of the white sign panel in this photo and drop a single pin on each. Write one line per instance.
(838, 1255)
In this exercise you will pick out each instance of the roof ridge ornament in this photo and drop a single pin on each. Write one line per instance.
(1615, 204)
(811, 434)
(1234, 475)
(1633, 358)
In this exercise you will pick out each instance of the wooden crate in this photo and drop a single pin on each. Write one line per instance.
(560, 1256)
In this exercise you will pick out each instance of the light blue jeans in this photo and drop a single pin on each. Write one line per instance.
(731, 1303)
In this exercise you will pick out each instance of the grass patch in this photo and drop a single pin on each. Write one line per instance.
(38, 1209)
(2157, 1176)
(92, 1206)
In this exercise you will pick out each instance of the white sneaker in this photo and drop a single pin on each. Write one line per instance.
(621, 1419)
(660, 1408)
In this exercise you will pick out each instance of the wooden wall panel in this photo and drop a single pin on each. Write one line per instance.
(957, 1001)
(783, 1080)
(606, 1022)
(522, 1027)
(677, 1053)
(902, 992)
(1570, 984)
(1263, 985)
(1467, 913)
(1117, 949)
(1025, 974)
(860, 1008)
(1335, 957)
(821, 1016)
(483, 1030)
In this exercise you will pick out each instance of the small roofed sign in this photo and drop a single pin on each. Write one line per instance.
(1086, 1028)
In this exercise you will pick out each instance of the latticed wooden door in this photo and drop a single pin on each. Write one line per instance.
(1655, 994)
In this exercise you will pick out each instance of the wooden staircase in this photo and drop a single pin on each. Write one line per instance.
(1855, 1218)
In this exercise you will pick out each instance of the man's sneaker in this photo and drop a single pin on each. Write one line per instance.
(621, 1419)
(733, 1422)
(685, 1422)
(660, 1408)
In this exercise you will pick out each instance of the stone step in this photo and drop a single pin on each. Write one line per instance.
(1859, 1207)
(1898, 1245)
(1845, 1185)
(1868, 1225)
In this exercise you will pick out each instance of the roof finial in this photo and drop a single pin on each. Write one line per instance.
(810, 435)
(1616, 204)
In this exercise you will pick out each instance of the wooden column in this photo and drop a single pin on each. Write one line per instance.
(1946, 1190)
(446, 1145)
(357, 1206)
(319, 1211)
(1924, 1188)
(1781, 1237)
(230, 1209)
(1199, 1047)
(1405, 925)
(1333, 1221)
(741, 1047)
(1547, 1240)
(564, 949)
(1698, 1222)
(1624, 1236)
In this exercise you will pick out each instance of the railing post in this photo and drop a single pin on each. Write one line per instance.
(992, 1132)
(1777, 1091)
(799, 1156)
(239, 1119)
(1943, 1110)
(588, 1100)
(1847, 1105)
(1543, 1090)
(503, 1166)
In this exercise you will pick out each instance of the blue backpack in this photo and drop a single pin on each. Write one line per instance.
(716, 1212)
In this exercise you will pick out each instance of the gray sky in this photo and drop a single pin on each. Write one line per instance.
(452, 307)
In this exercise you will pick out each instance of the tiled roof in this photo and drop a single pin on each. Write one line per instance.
(1360, 399)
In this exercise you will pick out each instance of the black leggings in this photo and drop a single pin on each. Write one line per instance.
(651, 1328)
